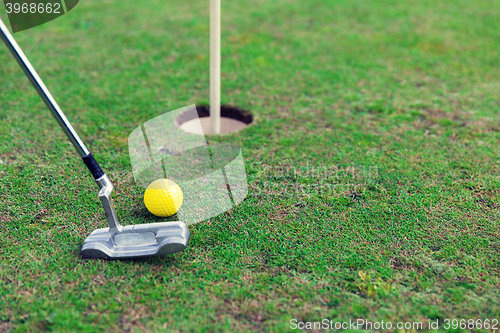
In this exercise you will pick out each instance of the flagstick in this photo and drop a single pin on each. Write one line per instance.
(215, 23)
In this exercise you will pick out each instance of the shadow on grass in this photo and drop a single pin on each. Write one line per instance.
(166, 260)
(145, 216)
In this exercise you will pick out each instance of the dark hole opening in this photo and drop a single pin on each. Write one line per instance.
(227, 111)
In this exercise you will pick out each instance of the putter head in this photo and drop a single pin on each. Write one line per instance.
(132, 241)
(135, 241)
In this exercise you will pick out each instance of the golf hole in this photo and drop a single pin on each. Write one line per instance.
(233, 119)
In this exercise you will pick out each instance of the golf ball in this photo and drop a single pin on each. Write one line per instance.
(163, 197)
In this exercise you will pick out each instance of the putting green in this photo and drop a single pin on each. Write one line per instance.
(372, 163)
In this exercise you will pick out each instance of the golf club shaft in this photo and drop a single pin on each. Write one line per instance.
(51, 103)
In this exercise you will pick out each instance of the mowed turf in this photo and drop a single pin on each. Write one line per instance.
(373, 165)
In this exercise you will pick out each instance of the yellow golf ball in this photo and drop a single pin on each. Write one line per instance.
(163, 197)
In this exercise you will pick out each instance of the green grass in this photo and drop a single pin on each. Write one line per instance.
(387, 110)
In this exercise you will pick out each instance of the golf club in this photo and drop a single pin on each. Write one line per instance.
(116, 241)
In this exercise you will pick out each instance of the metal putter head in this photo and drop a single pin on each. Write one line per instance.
(132, 241)
(115, 242)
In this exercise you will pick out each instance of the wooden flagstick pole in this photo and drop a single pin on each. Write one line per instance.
(215, 61)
